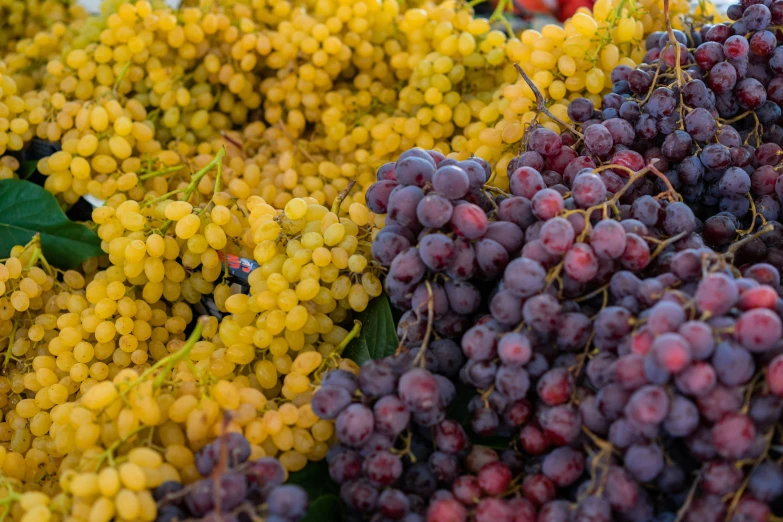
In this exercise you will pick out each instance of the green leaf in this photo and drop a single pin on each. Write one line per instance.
(378, 337)
(27, 209)
(27, 169)
(327, 508)
(314, 478)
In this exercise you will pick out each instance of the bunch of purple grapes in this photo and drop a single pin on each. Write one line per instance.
(712, 121)
(233, 489)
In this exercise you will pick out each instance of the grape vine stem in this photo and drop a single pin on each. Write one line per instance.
(541, 105)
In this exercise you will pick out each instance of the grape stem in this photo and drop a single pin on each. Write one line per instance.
(541, 105)
(233, 142)
(341, 197)
(10, 497)
(167, 195)
(169, 361)
(684, 509)
(769, 227)
(357, 328)
(420, 357)
(121, 77)
(194, 183)
(161, 172)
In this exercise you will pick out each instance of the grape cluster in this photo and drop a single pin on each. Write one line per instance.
(567, 335)
(234, 486)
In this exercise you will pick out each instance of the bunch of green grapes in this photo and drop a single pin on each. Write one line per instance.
(21, 20)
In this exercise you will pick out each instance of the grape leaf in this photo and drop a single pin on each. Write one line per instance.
(27, 209)
(27, 168)
(326, 508)
(378, 337)
(314, 479)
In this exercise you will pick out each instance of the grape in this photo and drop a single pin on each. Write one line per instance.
(403, 202)
(697, 379)
(415, 170)
(492, 257)
(723, 78)
(750, 93)
(696, 94)
(382, 468)
(288, 501)
(636, 255)
(329, 401)
(469, 221)
(512, 382)
(716, 294)
(700, 124)
(588, 190)
(608, 239)
(640, 81)
(665, 317)
(683, 417)
(661, 102)
(463, 262)
(354, 425)
(709, 54)
(733, 364)
(562, 424)
(526, 182)
(573, 331)
(464, 298)
(757, 17)
(376, 379)
(758, 330)
(546, 204)
(563, 466)
(479, 343)
(377, 196)
(544, 141)
(719, 230)
(581, 262)
(506, 307)
(555, 386)
(598, 140)
(646, 127)
(418, 390)
(436, 251)
(407, 268)
(387, 245)
(557, 235)
(677, 145)
(733, 435)
(517, 210)
(514, 349)
(421, 298)
(644, 461)
(648, 405)
(434, 211)
(580, 110)
(630, 111)
(451, 181)
(525, 277)
(507, 234)
(540, 312)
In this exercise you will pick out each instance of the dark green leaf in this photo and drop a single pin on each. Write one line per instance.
(327, 508)
(27, 169)
(378, 337)
(27, 209)
(314, 478)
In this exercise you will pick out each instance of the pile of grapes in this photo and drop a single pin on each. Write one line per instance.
(578, 243)
(614, 319)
